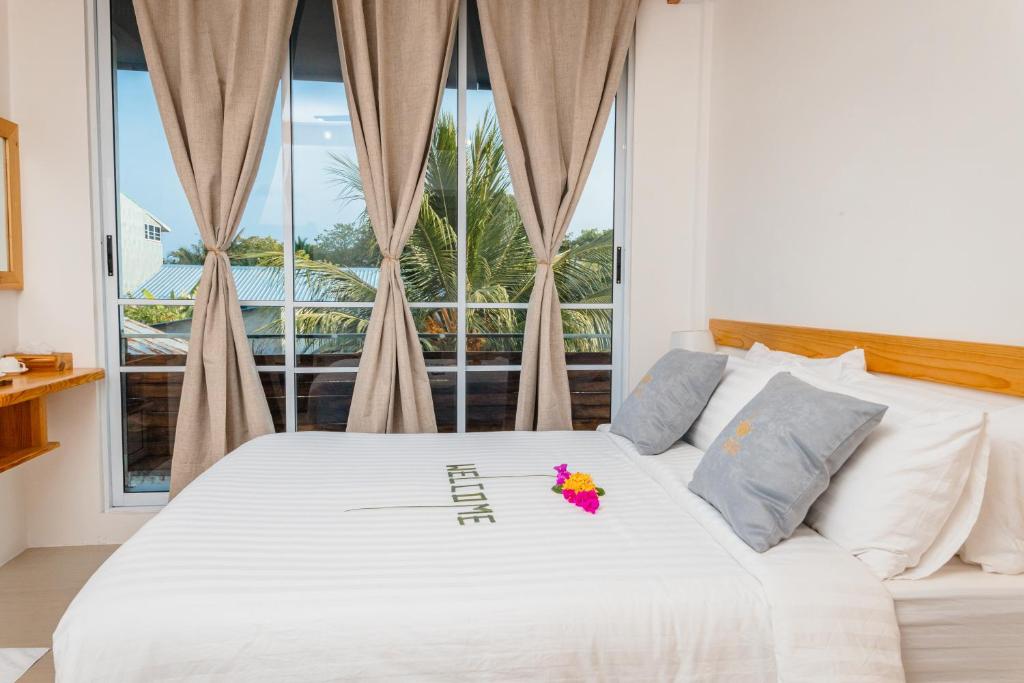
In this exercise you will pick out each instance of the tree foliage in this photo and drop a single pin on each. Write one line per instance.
(156, 314)
(351, 244)
(257, 250)
(500, 264)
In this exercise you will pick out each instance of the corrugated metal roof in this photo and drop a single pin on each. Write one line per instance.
(254, 283)
(143, 340)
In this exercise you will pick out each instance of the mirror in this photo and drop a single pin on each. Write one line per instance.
(10, 208)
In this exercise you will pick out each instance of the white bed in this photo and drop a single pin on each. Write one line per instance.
(961, 624)
(264, 569)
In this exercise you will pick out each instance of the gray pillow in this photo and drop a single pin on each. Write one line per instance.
(669, 399)
(769, 465)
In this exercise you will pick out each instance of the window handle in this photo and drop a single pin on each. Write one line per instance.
(110, 256)
(618, 265)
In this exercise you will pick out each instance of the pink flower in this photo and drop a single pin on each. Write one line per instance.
(587, 500)
(578, 489)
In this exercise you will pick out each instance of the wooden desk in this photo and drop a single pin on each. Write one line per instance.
(23, 411)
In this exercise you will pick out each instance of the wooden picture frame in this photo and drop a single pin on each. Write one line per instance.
(11, 277)
(985, 367)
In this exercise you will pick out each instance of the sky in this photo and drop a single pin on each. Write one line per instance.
(320, 127)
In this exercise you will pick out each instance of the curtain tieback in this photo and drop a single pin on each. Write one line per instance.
(216, 252)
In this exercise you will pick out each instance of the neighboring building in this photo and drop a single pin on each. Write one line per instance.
(254, 283)
(143, 268)
(142, 249)
(144, 341)
(144, 273)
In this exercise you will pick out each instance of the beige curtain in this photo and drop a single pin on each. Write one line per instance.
(215, 68)
(555, 68)
(395, 59)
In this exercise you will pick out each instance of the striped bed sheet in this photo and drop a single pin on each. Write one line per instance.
(316, 556)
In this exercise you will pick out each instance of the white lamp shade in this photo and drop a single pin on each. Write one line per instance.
(694, 340)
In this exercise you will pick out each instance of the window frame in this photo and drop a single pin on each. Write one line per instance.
(111, 302)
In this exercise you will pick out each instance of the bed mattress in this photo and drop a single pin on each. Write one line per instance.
(961, 624)
(317, 556)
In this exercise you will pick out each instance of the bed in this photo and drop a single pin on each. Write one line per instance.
(286, 561)
(319, 556)
(961, 624)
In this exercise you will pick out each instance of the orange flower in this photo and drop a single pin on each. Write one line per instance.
(579, 481)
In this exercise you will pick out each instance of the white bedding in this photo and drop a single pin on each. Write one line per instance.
(264, 570)
(961, 624)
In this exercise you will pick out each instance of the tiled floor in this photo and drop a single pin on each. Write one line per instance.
(35, 589)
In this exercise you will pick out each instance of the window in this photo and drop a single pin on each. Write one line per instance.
(306, 262)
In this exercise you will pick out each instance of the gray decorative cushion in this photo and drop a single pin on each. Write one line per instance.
(668, 399)
(769, 465)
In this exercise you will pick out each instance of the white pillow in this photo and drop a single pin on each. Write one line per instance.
(996, 541)
(896, 503)
(741, 382)
(833, 368)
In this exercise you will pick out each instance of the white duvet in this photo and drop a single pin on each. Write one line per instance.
(316, 557)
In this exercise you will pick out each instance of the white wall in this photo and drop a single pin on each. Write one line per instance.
(867, 166)
(666, 255)
(63, 491)
(8, 299)
(13, 532)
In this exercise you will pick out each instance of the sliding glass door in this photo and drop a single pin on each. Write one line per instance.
(306, 262)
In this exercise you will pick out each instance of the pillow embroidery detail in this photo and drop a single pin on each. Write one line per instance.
(734, 444)
(642, 384)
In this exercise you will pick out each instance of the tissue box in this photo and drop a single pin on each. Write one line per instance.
(53, 362)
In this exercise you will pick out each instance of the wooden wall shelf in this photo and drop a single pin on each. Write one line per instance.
(23, 433)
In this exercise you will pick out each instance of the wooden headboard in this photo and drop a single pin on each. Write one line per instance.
(988, 367)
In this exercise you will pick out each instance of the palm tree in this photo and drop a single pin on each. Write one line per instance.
(499, 260)
(244, 251)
